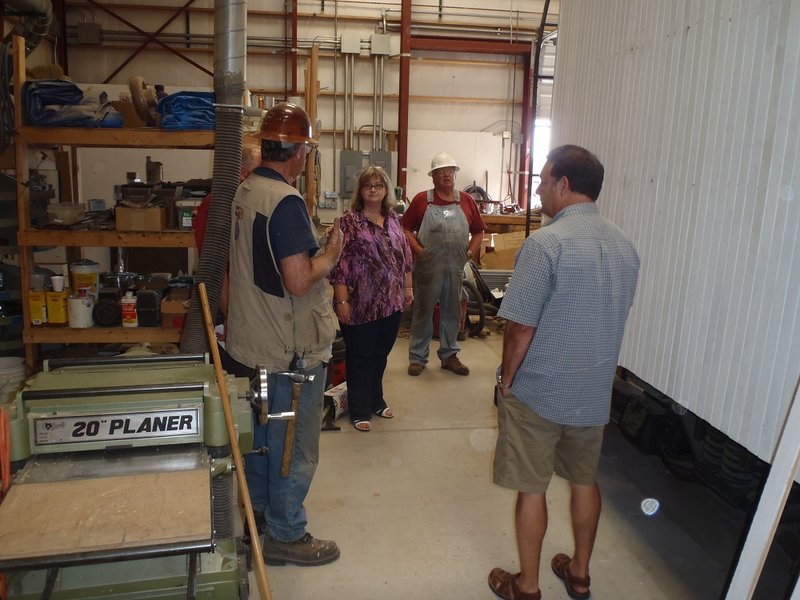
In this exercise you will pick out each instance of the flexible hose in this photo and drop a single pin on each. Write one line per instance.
(230, 56)
(214, 256)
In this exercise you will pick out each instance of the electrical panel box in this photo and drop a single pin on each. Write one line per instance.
(380, 44)
(382, 159)
(329, 200)
(349, 166)
(351, 43)
(89, 33)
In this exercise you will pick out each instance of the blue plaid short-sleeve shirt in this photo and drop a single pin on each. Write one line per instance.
(574, 280)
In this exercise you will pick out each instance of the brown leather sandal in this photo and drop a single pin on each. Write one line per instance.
(560, 565)
(504, 584)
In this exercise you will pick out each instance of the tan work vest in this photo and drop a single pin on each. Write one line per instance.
(262, 328)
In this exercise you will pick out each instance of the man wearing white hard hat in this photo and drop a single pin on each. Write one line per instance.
(445, 229)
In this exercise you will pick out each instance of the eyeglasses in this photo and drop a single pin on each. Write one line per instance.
(445, 171)
(373, 186)
(308, 147)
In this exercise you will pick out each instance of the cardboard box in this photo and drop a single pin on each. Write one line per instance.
(152, 218)
(504, 250)
(334, 405)
(174, 308)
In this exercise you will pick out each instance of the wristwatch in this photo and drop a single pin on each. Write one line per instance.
(499, 377)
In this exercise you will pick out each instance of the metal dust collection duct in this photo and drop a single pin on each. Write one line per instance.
(230, 53)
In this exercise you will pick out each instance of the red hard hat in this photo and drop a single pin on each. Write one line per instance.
(287, 122)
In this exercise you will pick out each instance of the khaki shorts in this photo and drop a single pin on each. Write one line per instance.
(530, 449)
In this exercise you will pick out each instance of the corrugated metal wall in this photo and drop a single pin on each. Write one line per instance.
(694, 108)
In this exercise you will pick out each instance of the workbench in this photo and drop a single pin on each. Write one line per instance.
(509, 223)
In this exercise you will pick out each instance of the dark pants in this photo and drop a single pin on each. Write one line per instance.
(367, 347)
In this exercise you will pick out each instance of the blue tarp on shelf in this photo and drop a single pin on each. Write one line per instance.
(57, 103)
(187, 110)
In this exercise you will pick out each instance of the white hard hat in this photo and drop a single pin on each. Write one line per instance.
(442, 160)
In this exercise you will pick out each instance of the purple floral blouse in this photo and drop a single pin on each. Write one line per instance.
(373, 265)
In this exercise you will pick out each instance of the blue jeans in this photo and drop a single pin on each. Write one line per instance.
(431, 287)
(281, 498)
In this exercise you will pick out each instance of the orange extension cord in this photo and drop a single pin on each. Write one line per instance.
(5, 476)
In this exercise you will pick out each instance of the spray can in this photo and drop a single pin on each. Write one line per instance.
(129, 317)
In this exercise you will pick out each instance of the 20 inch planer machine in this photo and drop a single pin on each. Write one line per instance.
(125, 487)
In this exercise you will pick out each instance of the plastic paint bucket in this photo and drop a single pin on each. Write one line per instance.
(80, 312)
(85, 274)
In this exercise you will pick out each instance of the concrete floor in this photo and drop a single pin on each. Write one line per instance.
(416, 515)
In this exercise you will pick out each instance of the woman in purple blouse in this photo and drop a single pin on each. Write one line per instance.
(371, 286)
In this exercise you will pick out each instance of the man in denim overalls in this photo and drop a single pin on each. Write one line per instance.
(445, 229)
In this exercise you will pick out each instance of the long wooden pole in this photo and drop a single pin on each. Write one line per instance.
(255, 543)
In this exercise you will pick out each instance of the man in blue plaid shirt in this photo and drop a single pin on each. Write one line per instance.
(566, 305)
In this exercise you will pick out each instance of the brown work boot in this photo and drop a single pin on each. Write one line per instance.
(415, 369)
(308, 551)
(455, 365)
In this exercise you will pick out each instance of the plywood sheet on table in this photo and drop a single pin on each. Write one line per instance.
(92, 515)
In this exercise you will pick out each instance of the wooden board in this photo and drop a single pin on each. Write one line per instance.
(101, 335)
(117, 138)
(66, 518)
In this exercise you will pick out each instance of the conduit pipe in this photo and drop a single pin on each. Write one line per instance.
(336, 49)
(206, 40)
(375, 83)
(346, 105)
(402, 108)
(380, 103)
(351, 119)
(537, 50)
(477, 13)
(352, 58)
(383, 81)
